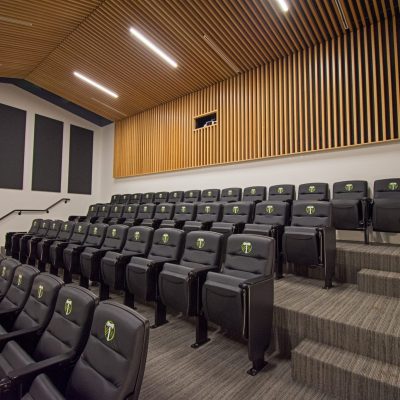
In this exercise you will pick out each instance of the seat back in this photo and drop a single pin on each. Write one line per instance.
(160, 197)
(116, 211)
(239, 212)
(185, 212)
(281, 193)
(115, 237)
(8, 267)
(167, 243)
(96, 235)
(124, 199)
(138, 240)
(135, 198)
(175, 197)
(69, 325)
(35, 226)
(387, 188)
(104, 211)
(202, 248)
(42, 299)
(81, 231)
(148, 197)
(209, 212)
(43, 228)
(210, 195)
(115, 199)
(350, 190)
(93, 209)
(249, 256)
(164, 211)
(113, 361)
(272, 213)
(192, 196)
(230, 195)
(130, 211)
(66, 230)
(311, 213)
(146, 211)
(313, 191)
(54, 229)
(254, 193)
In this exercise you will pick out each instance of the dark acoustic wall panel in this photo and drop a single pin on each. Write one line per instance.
(12, 147)
(47, 154)
(80, 160)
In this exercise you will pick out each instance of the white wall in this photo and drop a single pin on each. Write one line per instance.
(366, 163)
(11, 199)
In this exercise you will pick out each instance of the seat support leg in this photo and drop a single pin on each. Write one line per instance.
(129, 299)
(42, 266)
(258, 365)
(201, 331)
(160, 315)
(67, 276)
(54, 270)
(104, 291)
(84, 282)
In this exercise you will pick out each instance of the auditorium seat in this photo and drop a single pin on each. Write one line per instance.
(160, 197)
(386, 206)
(313, 191)
(24, 240)
(115, 216)
(91, 214)
(351, 206)
(142, 273)
(59, 346)
(281, 193)
(163, 211)
(103, 214)
(129, 214)
(231, 195)
(148, 197)
(175, 197)
(240, 298)
(207, 213)
(36, 242)
(310, 241)
(269, 220)
(180, 284)
(124, 198)
(90, 258)
(254, 193)
(192, 196)
(113, 264)
(235, 216)
(7, 271)
(79, 234)
(115, 198)
(135, 198)
(72, 252)
(12, 238)
(183, 212)
(145, 211)
(121, 335)
(210, 195)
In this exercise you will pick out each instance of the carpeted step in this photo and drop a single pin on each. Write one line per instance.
(351, 257)
(379, 282)
(346, 375)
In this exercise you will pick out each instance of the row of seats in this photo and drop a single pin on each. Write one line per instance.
(61, 338)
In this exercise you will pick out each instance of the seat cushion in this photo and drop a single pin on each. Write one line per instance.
(386, 215)
(13, 357)
(258, 229)
(223, 227)
(43, 389)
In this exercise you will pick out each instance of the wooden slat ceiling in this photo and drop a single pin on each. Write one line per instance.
(93, 37)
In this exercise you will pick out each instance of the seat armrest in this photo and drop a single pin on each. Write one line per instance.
(16, 335)
(202, 270)
(81, 248)
(255, 281)
(126, 257)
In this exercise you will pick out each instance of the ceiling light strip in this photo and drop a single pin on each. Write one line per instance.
(111, 108)
(342, 14)
(283, 5)
(95, 84)
(15, 21)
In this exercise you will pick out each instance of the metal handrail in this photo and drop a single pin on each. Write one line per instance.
(20, 211)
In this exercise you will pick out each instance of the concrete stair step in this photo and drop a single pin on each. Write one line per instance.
(379, 282)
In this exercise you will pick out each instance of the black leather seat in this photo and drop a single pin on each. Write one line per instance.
(311, 240)
(183, 212)
(313, 191)
(8, 267)
(148, 197)
(145, 211)
(210, 195)
(80, 231)
(113, 264)
(269, 220)
(142, 273)
(386, 207)
(234, 218)
(129, 214)
(231, 195)
(351, 206)
(241, 297)
(72, 252)
(91, 215)
(207, 214)
(103, 214)
(24, 240)
(115, 216)
(160, 197)
(282, 193)
(58, 347)
(192, 196)
(115, 199)
(180, 284)
(12, 238)
(164, 211)
(120, 335)
(90, 258)
(175, 197)
(124, 198)
(135, 198)
(254, 193)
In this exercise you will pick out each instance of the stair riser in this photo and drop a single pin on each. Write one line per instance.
(379, 285)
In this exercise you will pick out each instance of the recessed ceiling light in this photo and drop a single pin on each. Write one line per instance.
(95, 84)
(283, 5)
(153, 47)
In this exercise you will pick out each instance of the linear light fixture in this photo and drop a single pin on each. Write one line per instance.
(218, 50)
(15, 21)
(106, 105)
(283, 5)
(342, 14)
(95, 84)
(138, 35)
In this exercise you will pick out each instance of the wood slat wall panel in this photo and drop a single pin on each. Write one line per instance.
(341, 93)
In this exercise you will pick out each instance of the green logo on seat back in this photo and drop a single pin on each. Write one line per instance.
(114, 232)
(109, 330)
(44, 225)
(312, 188)
(191, 194)
(135, 196)
(253, 191)
(3, 272)
(269, 209)
(79, 228)
(145, 208)
(95, 229)
(162, 209)
(124, 196)
(40, 291)
(165, 238)
(65, 227)
(183, 209)
(207, 209)
(200, 243)
(209, 193)
(136, 235)
(235, 209)
(68, 307)
(229, 192)
(129, 209)
(246, 247)
(115, 208)
(175, 194)
(393, 186)
(92, 208)
(103, 208)
(19, 280)
(34, 223)
(348, 187)
(160, 195)
(147, 196)
(280, 190)
(53, 226)
(310, 210)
